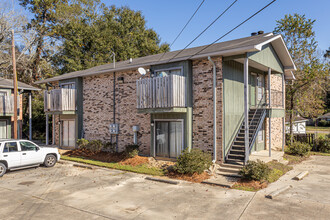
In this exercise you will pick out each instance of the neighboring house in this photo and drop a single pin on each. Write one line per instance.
(7, 107)
(298, 125)
(173, 104)
(325, 117)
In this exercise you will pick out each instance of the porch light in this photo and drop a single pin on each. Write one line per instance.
(120, 79)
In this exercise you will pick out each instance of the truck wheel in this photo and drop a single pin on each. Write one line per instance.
(3, 169)
(50, 160)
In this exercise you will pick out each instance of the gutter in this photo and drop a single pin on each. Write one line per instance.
(214, 110)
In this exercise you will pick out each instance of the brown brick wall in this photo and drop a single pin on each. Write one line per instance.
(203, 105)
(98, 110)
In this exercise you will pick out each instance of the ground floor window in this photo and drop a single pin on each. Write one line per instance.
(68, 136)
(169, 138)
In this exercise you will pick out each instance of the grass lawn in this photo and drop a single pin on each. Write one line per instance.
(136, 169)
(320, 154)
(312, 128)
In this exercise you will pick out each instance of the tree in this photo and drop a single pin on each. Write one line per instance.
(89, 40)
(304, 93)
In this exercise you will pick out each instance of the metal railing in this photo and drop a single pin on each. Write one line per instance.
(276, 97)
(60, 100)
(161, 92)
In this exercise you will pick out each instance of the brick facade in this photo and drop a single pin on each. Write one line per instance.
(98, 110)
(276, 122)
(202, 71)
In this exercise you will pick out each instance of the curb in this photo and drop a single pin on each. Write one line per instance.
(82, 166)
(301, 175)
(162, 180)
(275, 193)
(217, 184)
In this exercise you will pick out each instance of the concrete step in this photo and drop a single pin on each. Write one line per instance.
(228, 165)
(235, 162)
(228, 170)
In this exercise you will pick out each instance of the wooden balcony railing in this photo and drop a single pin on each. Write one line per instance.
(161, 92)
(60, 100)
(7, 104)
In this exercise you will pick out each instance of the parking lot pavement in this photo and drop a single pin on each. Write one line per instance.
(77, 193)
(307, 199)
(67, 192)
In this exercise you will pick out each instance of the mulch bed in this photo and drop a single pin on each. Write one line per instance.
(196, 178)
(250, 184)
(108, 157)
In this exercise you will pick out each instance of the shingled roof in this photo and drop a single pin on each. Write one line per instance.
(227, 48)
(8, 84)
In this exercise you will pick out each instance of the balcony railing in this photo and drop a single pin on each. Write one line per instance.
(7, 104)
(161, 92)
(60, 100)
(276, 99)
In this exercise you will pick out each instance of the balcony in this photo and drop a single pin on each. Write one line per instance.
(7, 105)
(60, 100)
(161, 92)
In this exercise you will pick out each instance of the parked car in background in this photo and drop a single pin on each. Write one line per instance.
(18, 154)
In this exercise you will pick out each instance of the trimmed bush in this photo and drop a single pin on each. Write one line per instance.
(323, 144)
(109, 147)
(195, 161)
(131, 150)
(298, 149)
(255, 170)
(82, 143)
(95, 146)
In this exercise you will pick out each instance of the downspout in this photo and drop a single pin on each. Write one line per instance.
(214, 110)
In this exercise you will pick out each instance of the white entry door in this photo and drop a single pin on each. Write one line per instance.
(68, 133)
(3, 129)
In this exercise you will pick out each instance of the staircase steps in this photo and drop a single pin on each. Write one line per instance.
(229, 170)
(236, 155)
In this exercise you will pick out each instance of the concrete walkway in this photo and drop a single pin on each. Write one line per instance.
(67, 192)
(263, 155)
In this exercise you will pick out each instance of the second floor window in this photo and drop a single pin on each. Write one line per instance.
(167, 72)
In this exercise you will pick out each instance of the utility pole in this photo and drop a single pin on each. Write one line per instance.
(15, 85)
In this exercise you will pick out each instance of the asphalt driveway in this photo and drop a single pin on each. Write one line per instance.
(67, 192)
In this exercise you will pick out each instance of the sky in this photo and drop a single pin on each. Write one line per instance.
(167, 17)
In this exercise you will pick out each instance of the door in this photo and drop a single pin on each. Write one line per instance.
(30, 153)
(252, 89)
(260, 88)
(68, 133)
(11, 154)
(260, 140)
(169, 138)
(3, 129)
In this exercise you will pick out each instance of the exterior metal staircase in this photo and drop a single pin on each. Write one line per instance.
(236, 153)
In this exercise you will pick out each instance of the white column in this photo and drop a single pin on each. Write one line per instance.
(269, 116)
(246, 108)
(53, 128)
(30, 116)
(47, 129)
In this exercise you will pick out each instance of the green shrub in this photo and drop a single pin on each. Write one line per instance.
(95, 146)
(323, 144)
(298, 149)
(109, 147)
(255, 170)
(323, 123)
(131, 150)
(195, 161)
(82, 143)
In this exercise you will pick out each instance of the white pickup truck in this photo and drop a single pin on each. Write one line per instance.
(17, 154)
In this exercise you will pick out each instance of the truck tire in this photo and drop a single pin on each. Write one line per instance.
(3, 169)
(50, 160)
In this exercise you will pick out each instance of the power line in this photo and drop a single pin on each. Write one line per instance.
(183, 28)
(205, 29)
(233, 28)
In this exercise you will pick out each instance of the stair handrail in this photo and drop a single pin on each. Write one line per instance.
(258, 107)
(238, 128)
(262, 117)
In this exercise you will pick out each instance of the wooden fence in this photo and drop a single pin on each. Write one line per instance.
(161, 92)
(60, 100)
(305, 138)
